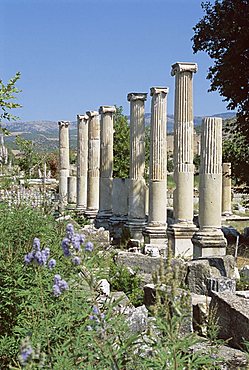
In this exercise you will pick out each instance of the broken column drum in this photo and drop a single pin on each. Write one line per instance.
(155, 230)
(209, 239)
(93, 165)
(64, 165)
(106, 165)
(181, 232)
(82, 160)
(72, 191)
(226, 189)
(136, 211)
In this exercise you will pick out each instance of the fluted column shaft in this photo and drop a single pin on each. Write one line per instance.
(210, 174)
(158, 159)
(183, 141)
(137, 156)
(64, 165)
(226, 189)
(93, 162)
(82, 160)
(106, 158)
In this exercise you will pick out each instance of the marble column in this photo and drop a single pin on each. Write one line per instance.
(181, 232)
(209, 239)
(155, 230)
(106, 166)
(93, 165)
(226, 190)
(71, 197)
(136, 211)
(64, 165)
(82, 160)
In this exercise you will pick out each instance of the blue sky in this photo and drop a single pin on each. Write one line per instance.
(75, 55)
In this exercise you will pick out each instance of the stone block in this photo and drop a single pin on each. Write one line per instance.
(151, 250)
(139, 261)
(201, 269)
(221, 284)
(232, 314)
(243, 293)
(200, 304)
(244, 274)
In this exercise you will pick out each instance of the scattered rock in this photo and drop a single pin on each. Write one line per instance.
(221, 284)
(104, 286)
(244, 274)
(200, 305)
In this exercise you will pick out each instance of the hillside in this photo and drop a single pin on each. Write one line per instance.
(45, 133)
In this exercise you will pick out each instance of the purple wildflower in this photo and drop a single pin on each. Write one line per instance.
(96, 310)
(65, 246)
(25, 354)
(81, 238)
(39, 258)
(76, 242)
(36, 244)
(56, 290)
(70, 231)
(63, 285)
(57, 278)
(28, 258)
(76, 261)
(89, 247)
(51, 263)
(47, 252)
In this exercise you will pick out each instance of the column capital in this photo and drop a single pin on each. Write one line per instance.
(137, 96)
(63, 123)
(179, 67)
(82, 117)
(92, 113)
(159, 90)
(107, 109)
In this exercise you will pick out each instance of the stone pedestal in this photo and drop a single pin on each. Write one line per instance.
(64, 165)
(155, 230)
(71, 197)
(137, 187)
(120, 192)
(226, 190)
(106, 166)
(209, 240)
(183, 230)
(93, 166)
(82, 161)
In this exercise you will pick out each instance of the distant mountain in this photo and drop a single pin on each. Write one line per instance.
(45, 133)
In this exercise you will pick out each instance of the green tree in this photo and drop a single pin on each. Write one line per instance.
(121, 145)
(29, 158)
(7, 98)
(223, 33)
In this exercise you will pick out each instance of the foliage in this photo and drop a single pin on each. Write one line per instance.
(53, 163)
(29, 157)
(121, 279)
(223, 33)
(121, 145)
(196, 161)
(7, 96)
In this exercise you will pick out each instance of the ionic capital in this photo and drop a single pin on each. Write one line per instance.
(63, 123)
(92, 113)
(81, 117)
(183, 67)
(159, 90)
(107, 109)
(137, 96)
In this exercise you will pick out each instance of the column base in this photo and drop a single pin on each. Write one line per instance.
(135, 228)
(91, 214)
(209, 242)
(116, 225)
(156, 236)
(102, 220)
(71, 206)
(179, 239)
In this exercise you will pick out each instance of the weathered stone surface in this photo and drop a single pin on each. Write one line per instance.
(221, 284)
(232, 313)
(144, 263)
(137, 318)
(200, 305)
(201, 269)
(243, 293)
(227, 358)
(244, 273)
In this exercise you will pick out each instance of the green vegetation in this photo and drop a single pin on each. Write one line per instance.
(121, 145)
(223, 33)
(7, 98)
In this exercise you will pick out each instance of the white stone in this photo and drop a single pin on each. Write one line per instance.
(104, 286)
(151, 250)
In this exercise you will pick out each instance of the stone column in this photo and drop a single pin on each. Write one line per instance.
(181, 232)
(93, 165)
(136, 212)
(120, 192)
(82, 161)
(106, 166)
(226, 189)
(155, 230)
(209, 239)
(64, 165)
(71, 197)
